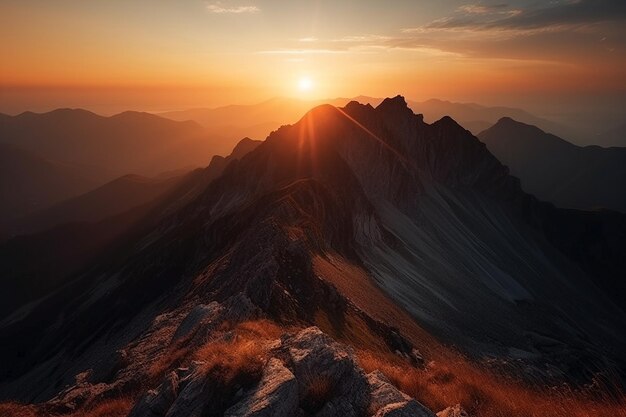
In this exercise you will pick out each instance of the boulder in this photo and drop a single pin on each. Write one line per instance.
(157, 402)
(316, 358)
(198, 314)
(404, 409)
(387, 400)
(454, 411)
(275, 396)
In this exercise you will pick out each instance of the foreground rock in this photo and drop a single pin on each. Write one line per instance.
(387, 400)
(307, 373)
(454, 411)
(276, 394)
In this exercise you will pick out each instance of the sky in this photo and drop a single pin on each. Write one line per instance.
(113, 55)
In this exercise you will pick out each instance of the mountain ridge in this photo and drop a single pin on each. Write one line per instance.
(346, 206)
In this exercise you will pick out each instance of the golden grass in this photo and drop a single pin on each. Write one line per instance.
(13, 409)
(119, 407)
(243, 353)
(317, 392)
(486, 395)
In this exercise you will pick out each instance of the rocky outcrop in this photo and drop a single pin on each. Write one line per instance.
(454, 411)
(307, 373)
(328, 375)
(387, 400)
(275, 396)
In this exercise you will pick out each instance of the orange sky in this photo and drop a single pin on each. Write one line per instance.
(164, 54)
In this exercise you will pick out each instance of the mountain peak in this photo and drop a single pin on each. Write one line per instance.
(397, 103)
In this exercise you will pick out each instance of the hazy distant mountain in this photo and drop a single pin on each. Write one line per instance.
(558, 171)
(229, 123)
(29, 182)
(476, 118)
(127, 143)
(613, 137)
(112, 198)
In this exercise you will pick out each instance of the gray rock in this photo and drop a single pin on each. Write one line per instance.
(156, 403)
(454, 411)
(387, 400)
(313, 354)
(382, 392)
(404, 409)
(191, 400)
(198, 314)
(275, 396)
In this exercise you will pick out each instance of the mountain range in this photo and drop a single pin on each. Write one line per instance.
(126, 143)
(357, 226)
(229, 123)
(557, 171)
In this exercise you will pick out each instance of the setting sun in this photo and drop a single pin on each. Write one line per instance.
(305, 84)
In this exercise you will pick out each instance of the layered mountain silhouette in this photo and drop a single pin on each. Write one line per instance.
(29, 182)
(114, 197)
(558, 171)
(127, 143)
(229, 123)
(615, 136)
(387, 233)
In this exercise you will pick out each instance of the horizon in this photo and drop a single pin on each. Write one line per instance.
(160, 56)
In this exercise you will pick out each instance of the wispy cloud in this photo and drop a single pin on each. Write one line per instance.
(301, 52)
(482, 8)
(223, 8)
(559, 15)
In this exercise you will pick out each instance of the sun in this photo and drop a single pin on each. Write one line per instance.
(305, 84)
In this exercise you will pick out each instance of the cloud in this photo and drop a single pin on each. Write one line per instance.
(482, 8)
(221, 8)
(559, 15)
(301, 52)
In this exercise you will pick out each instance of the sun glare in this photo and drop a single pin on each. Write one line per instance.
(305, 84)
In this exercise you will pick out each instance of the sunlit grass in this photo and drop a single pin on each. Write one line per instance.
(486, 395)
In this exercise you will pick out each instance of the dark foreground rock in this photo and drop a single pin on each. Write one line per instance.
(307, 373)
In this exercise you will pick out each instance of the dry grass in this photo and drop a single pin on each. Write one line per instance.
(12, 409)
(483, 394)
(318, 391)
(119, 407)
(173, 358)
(243, 354)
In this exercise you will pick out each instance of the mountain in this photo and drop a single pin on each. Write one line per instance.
(558, 171)
(230, 123)
(477, 118)
(127, 143)
(71, 234)
(29, 181)
(114, 197)
(351, 264)
(615, 136)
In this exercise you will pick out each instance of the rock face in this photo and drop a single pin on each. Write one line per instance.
(275, 396)
(308, 373)
(387, 400)
(454, 411)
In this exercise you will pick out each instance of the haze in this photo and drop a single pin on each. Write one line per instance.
(111, 56)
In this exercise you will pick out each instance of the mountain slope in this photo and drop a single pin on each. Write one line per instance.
(112, 198)
(29, 182)
(477, 118)
(388, 233)
(613, 137)
(130, 142)
(557, 171)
